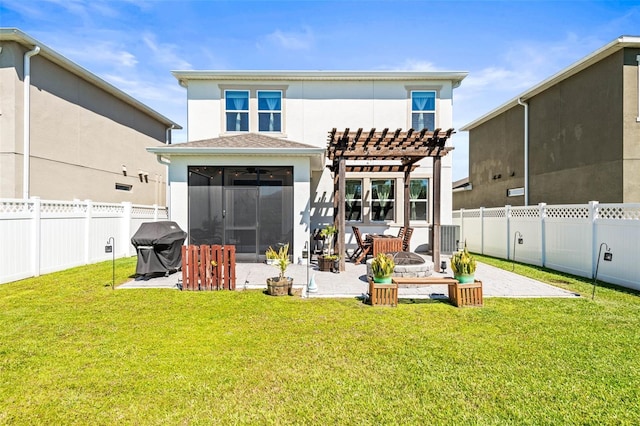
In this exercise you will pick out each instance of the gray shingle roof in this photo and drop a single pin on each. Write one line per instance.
(244, 140)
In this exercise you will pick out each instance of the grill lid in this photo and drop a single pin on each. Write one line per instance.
(155, 233)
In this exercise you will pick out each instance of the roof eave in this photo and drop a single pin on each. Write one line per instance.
(576, 67)
(272, 75)
(316, 155)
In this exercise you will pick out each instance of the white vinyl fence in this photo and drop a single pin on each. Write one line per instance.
(38, 236)
(565, 238)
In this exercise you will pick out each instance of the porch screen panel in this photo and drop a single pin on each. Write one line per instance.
(205, 206)
(276, 207)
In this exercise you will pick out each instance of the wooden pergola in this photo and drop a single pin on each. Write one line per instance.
(405, 149)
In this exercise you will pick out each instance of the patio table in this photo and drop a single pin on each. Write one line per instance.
(385, 243)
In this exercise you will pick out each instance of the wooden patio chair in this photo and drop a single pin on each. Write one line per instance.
(364, 248)
(401, 232)
(406, 239)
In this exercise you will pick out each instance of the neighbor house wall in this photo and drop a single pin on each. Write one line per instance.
(496, 148)
(631, 127)
(582, 142)
(81, 137)
(575, 151)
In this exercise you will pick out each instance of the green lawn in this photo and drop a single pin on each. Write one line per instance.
(74, 351)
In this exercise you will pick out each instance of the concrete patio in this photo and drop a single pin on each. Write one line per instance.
(352, 283)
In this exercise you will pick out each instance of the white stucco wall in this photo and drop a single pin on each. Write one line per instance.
(178, 190)
(310, 110)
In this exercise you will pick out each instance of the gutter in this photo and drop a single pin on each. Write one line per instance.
(26, 121)
(526, 150)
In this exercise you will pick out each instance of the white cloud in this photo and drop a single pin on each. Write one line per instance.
(165, 53)
(416, 65)
(292, 40)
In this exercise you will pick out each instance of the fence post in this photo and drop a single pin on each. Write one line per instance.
(36, 227)
(507, 216)
(125, 227)
(593, 215)
(87, 230)
(155, 212)
(481, 230)
(462, 237)
(543, 233)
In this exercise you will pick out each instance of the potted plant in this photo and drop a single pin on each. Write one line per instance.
(325, 261)
(272, 256)
(328, 234)
(463, 265)
(281, 285)
(382, 267)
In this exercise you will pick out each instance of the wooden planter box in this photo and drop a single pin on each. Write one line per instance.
(383, 294)
(466, 294)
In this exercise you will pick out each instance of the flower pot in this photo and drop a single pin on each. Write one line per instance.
(279, 287)
(324, 264)
(464, 278)
(382, 280)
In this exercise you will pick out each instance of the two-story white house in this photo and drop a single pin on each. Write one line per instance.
(254, 170)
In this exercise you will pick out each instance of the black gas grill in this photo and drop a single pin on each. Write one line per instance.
(159, 247)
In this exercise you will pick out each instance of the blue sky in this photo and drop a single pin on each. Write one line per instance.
(506, 46)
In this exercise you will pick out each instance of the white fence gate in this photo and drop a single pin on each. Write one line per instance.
(38, 236)
(565, 238)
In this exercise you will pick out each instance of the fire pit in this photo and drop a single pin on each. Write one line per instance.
(408, 264)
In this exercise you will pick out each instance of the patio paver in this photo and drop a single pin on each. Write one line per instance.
(353, 282)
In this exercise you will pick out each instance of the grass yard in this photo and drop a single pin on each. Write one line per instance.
(73, 351)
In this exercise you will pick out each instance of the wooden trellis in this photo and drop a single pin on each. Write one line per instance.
(405, 149)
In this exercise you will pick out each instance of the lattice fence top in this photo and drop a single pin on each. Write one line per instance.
(568, 212)
(525, 212)
(495, 212)
(471, 213)
(62, 207)
(612, 211)
(15, 206)
(106, 209)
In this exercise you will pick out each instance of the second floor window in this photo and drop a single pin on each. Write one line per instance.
(237, 109)
(423, 110)
(269, 111)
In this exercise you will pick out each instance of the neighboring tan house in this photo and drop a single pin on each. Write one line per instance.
(85, 139)
(254, 172)
(571, 139)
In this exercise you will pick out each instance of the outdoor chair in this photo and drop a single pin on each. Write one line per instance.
(364, 248)
(406, 239)
(401, 232)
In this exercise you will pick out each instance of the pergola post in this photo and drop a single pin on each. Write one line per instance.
(407, 197)
(340, 221)
(435, 234)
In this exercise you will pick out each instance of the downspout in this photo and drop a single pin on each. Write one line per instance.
(638, 60)
(167, 137)
(526, 150)
(26, 121)
(166, 162)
